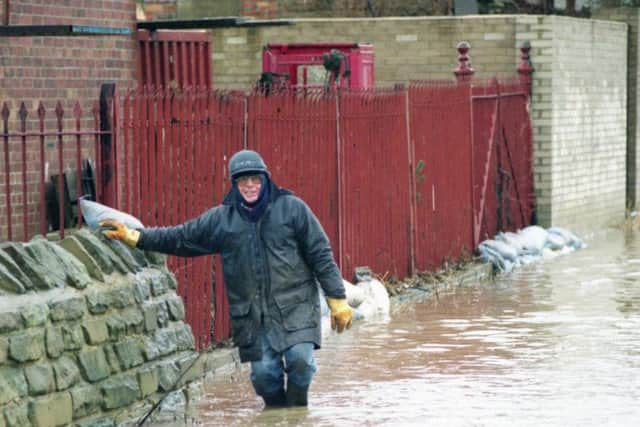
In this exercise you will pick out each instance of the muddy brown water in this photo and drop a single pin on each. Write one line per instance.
(556, 343)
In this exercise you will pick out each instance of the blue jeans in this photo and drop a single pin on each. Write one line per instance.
(267, 374)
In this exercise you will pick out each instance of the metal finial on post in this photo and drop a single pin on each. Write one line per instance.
(525, 69)
(463, 71)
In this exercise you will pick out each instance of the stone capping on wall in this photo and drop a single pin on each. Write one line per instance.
(91, 333)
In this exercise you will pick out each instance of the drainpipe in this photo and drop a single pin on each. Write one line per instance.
(5, 14)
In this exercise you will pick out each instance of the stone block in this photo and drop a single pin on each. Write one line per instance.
(119, 391)
(176, 308)
(75, 248)
(184, 337)
(4, 349)
(95, 331)
(72, 337)
(129, 353)
(46, 259)
(12, 278)
(159, 285)
(86, 400)
(17, 415)
(95, 249)
(116, 327)
(150, 315)
(93, 364)
(40, 379)
(97, 422)
(34, 314)
(122, 252)
(67, 309)
(76, 273)
(141, 289)
(10, 322)
(122, 297)
(168, 374)
(98, 302)
(53, 410)
(166, 340)
(38, 275)
(133, 320)
(172, 283)
(27, 346)
(148, 381)
(9, 283)
(150, 349)
(112, 359)
(14, 380)
(162, 312)
(66, 373)
(54, 341)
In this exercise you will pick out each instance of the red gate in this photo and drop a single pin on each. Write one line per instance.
(502, 162)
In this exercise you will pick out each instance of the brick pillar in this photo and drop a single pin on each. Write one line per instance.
(263, 9)
(463, 71)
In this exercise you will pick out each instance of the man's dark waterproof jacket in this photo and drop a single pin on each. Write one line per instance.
(270, 267)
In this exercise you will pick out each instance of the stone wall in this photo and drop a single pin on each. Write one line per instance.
(579, 89)
(91, 333)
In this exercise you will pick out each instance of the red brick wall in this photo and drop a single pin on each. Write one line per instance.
(52, 69)
(264, 9)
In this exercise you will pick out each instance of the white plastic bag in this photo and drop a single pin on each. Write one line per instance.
(94, 212)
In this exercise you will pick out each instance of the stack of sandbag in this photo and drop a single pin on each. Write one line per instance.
(509, 250)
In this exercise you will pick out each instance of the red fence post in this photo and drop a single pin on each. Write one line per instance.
(463, 71)
(525, 68)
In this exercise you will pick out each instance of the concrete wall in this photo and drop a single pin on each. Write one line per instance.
(579, 90)
(92, 333)
(579, 116)
(631, 17)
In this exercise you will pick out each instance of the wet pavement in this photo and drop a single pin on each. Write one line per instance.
(556, 343)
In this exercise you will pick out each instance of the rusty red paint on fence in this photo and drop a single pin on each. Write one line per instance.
(375, 182)
(295, 132)
(441, 135)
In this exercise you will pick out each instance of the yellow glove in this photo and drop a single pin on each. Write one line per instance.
(341, 313)
(119, 231)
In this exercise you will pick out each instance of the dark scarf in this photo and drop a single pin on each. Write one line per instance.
(253, 211)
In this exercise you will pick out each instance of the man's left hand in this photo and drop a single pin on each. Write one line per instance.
(341, 314)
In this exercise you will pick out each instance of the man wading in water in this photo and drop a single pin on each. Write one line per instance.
(273, 251)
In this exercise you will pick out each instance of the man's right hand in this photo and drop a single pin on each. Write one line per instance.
(119, 231)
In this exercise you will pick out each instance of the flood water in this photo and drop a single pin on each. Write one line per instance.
(556, 343)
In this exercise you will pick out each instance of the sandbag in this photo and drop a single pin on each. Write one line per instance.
(505, 250)
(376, 294)
(513, 240)
(569, 238)
(355, 294)
(94, 212)
(534, 238)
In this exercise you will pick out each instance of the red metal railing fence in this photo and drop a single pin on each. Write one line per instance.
(402, 179)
